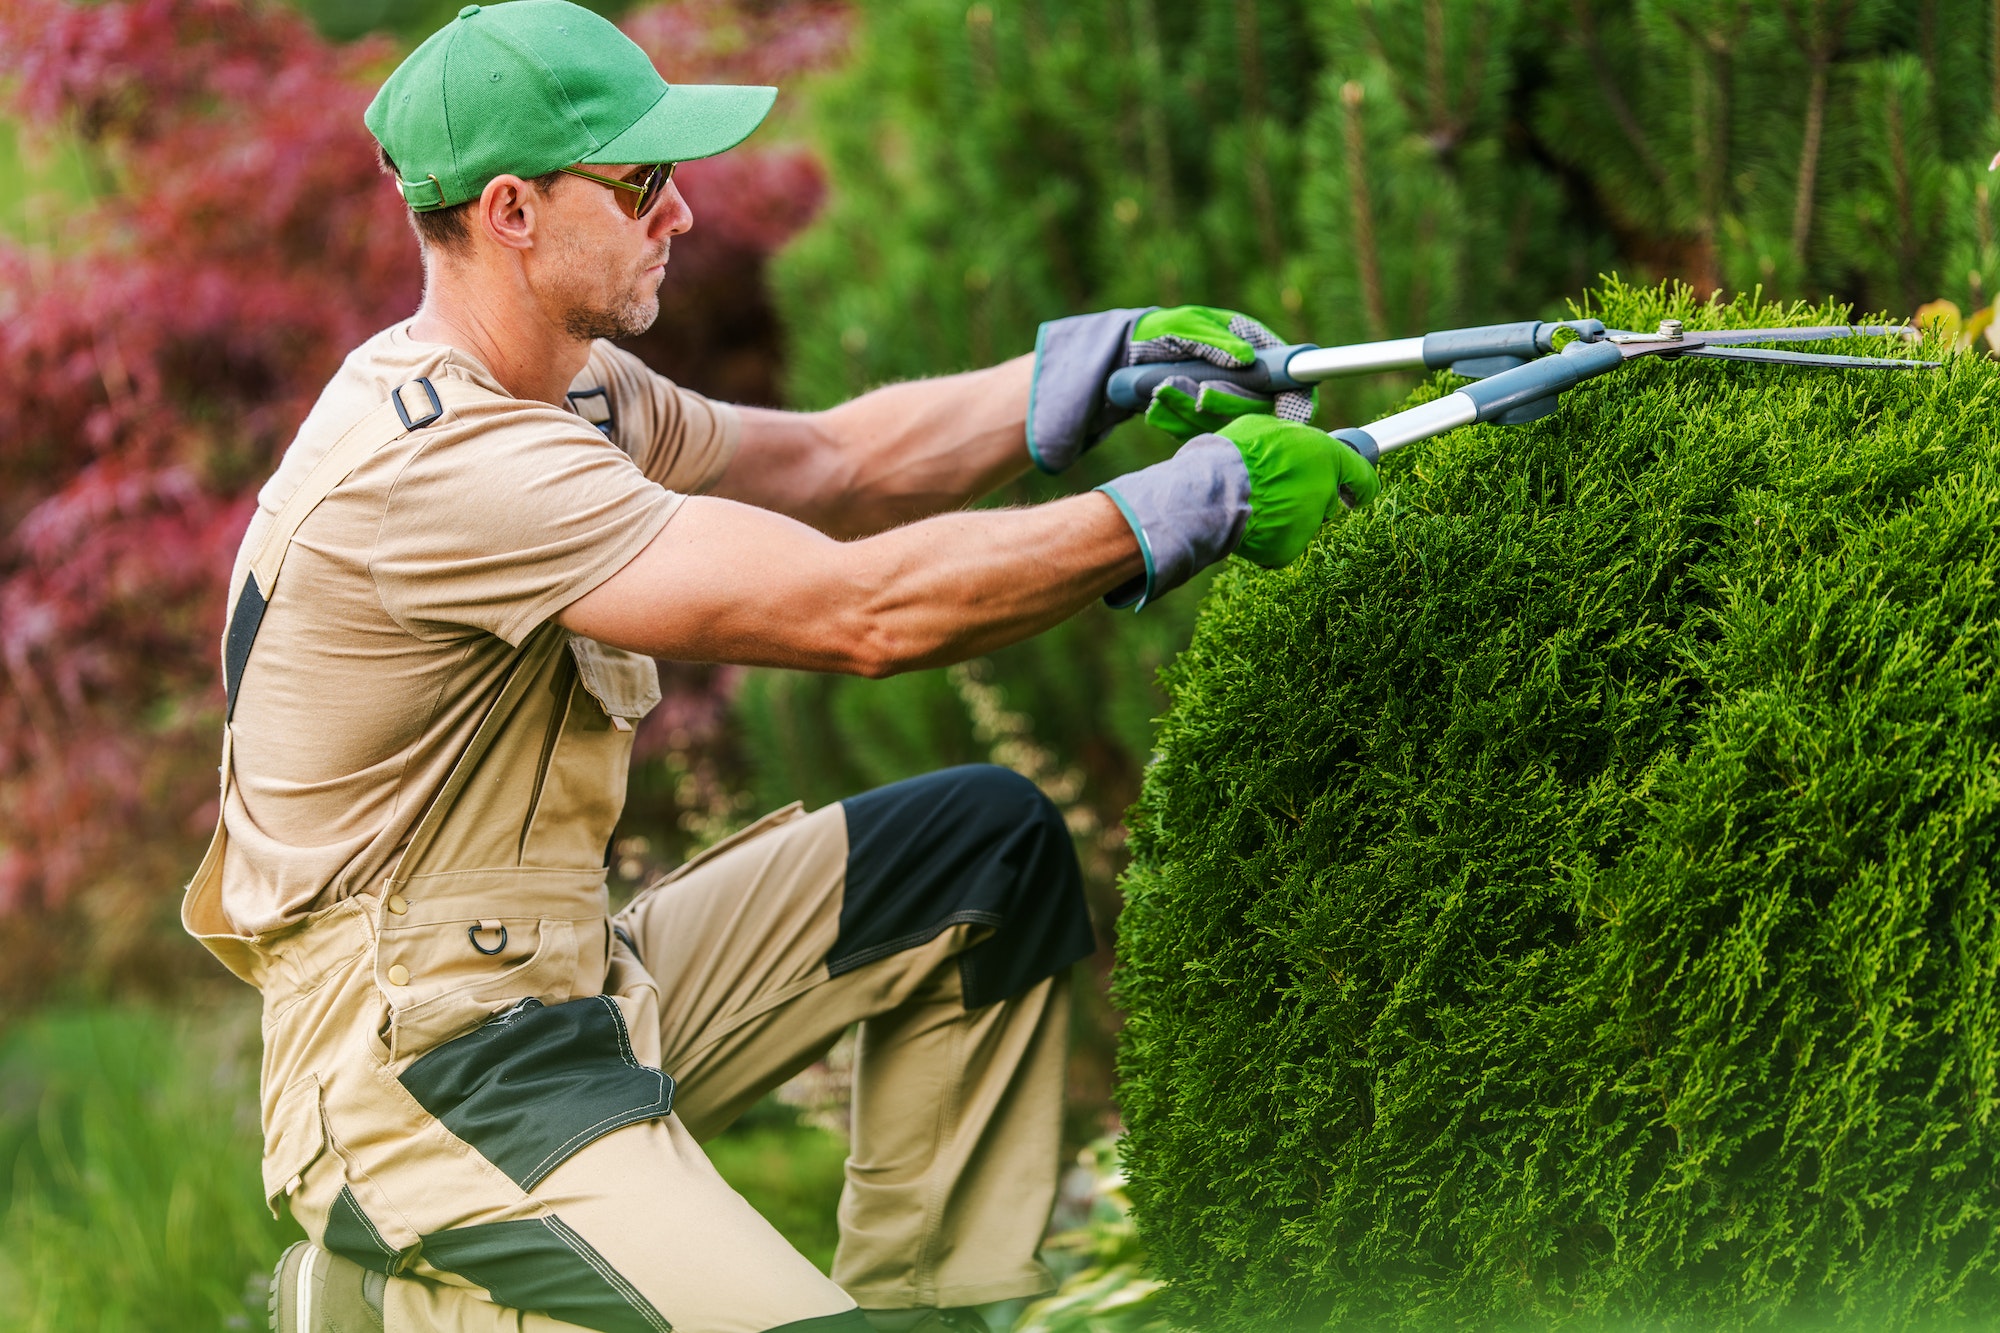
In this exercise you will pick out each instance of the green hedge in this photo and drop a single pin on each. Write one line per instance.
(1565, 896)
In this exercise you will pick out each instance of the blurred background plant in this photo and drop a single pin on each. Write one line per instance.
(194, 232)
(1094, 1248)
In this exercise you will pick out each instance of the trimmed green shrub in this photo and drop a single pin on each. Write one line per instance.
(1565, 897)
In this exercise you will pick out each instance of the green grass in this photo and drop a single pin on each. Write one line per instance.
(129, 1143)
(791, 1173)
(129, 1182)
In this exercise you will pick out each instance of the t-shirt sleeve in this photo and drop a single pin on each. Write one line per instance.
(501, 523)
(679, 439)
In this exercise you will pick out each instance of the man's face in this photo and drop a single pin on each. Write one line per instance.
(599, 269)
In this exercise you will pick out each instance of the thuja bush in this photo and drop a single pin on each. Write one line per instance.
(1565, 898)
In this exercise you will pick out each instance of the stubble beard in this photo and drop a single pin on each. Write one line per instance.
(629, 319)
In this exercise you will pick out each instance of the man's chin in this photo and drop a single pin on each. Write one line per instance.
(630, 322)
(644, 317)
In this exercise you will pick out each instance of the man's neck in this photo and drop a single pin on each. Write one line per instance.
(500, 325)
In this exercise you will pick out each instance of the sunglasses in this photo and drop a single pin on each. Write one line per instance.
(643, 195)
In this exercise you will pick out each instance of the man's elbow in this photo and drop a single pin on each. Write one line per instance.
(879, 644)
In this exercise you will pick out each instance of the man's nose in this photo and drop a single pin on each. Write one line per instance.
(671, 216)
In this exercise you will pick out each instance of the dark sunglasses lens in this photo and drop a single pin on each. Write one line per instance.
(656, 185)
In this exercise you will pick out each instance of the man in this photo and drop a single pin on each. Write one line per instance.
(482, 1094)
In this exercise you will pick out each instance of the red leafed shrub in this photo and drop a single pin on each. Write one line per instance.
(154, 365)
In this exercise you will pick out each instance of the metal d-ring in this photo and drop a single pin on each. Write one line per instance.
(472, 934)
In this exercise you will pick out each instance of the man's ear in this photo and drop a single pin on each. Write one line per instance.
(507, 212)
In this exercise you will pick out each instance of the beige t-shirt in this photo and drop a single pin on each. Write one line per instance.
(406, 590)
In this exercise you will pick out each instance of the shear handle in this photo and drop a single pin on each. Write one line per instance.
(1132, 387)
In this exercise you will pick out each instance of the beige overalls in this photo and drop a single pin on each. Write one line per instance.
(463, 1081)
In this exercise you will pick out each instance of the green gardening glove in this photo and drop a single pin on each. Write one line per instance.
(1297, 475)
(1186, 405)
(1069, 409)
(1259, 488)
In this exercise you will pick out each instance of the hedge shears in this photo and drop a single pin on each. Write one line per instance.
(1518, 369)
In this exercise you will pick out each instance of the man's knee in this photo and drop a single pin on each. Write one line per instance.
(978, 845)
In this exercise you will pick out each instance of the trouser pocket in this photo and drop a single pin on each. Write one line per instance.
(538, 1083)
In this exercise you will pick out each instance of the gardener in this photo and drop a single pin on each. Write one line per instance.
(489, 525)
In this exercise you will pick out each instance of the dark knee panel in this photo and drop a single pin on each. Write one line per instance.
(977, 845)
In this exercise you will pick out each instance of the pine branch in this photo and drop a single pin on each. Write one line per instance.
(1444, 117)
(1250, 63)
(1906, 221)
(1153, 118)
(1820, 47)
(1401, 87)
(1367, 262)
(1712, 99)
(1802, 203)
(1471, 78)
(1613, 94)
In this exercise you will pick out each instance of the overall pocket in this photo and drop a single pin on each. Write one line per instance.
(294, 1137)
(467, 944)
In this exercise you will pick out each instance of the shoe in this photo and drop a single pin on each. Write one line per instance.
(316, 1292)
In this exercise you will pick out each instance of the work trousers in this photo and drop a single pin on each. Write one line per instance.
(543, 1171)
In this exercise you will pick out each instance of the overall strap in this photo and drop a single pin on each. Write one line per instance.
(533, 655)
(590, 399)
(202, 913)
(384, 426)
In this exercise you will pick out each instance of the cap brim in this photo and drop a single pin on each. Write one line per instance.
(691, 120)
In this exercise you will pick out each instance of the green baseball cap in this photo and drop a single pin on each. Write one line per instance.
(533, 85)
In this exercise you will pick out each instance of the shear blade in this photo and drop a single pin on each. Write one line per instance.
(1815, 333)
(1768, 356)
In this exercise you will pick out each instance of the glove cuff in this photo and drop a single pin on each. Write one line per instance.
(1187, 512)
(1067, 410)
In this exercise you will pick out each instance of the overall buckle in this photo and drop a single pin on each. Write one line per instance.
(437, 404)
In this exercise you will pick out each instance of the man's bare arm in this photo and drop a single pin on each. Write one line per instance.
(896, 454)
(726, 582)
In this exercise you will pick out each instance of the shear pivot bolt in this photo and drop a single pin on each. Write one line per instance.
(1670, 328)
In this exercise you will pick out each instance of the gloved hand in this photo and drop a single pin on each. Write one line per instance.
(1186, 406)
(1068, 412)
(1259, 488)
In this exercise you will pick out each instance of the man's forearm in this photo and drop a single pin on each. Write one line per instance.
(895, 454)
(725, 583)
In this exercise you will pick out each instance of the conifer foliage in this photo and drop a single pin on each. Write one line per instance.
(1345, 171)
(1567, 896)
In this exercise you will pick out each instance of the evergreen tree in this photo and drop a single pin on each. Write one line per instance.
(1418, 212)
(1810, 146)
